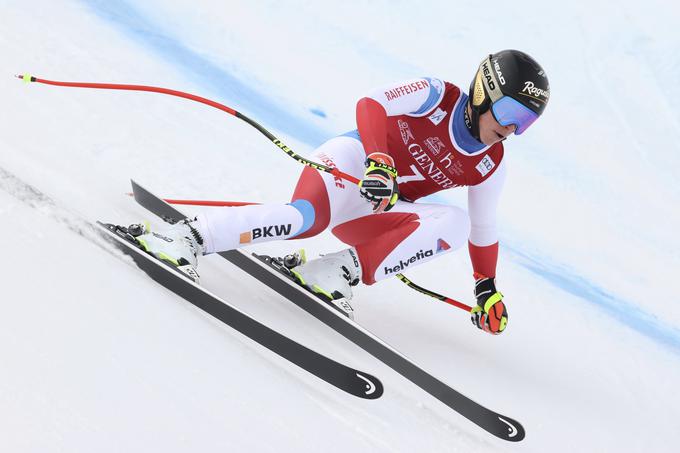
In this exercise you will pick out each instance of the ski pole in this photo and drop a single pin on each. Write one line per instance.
(28, 78)
(209, 202)
(437, 296)
(117, 86)
(217, 203)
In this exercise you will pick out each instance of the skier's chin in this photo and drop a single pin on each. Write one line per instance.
(491, 137)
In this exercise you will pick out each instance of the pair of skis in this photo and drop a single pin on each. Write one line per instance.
(355, 382)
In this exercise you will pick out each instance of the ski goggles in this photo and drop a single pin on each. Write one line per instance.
(508, 111)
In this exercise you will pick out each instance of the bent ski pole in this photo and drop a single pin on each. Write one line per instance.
(192, 97)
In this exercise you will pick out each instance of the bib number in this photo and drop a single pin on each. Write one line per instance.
(416, 176)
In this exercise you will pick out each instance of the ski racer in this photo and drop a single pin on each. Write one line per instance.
(413, 138)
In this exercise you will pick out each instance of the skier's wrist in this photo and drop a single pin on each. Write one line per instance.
(382, 161)
(379, 184)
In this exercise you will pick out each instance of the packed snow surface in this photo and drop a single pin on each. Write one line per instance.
(97, 357)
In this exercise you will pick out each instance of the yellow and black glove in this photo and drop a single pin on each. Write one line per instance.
(490, 313)
(379, 185)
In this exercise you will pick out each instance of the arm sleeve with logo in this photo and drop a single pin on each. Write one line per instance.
(482, 203)
(416, 97)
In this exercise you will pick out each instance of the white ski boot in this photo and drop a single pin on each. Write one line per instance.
(331, 277)
(178, 244)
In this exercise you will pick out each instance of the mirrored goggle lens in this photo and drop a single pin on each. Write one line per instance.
(508, 111)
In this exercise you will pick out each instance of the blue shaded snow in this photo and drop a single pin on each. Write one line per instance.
(624, 311)
(318, 112)
(239, 95)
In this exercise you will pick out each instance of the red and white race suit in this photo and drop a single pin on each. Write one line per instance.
(421, 124)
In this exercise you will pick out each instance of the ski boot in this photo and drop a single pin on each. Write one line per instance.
(178, 244)
(330, 277)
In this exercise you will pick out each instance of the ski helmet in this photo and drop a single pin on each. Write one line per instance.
(513, 85)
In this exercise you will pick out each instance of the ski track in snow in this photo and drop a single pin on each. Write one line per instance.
(55, 211)
(225, 85)
(36, 199)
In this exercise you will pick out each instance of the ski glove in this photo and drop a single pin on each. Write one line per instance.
(490, 313)
(379, 185)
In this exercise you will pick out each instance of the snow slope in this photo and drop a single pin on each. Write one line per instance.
(96, 356)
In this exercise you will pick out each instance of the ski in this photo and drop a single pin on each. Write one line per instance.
(355, 382)
(497, 424)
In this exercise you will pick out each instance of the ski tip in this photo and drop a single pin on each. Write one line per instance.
(371, 388)
(510, 430)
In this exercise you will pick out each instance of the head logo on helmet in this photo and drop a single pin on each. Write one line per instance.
(516, 90)
(488, 77)
(497, 67)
